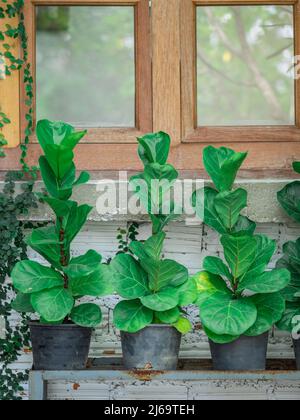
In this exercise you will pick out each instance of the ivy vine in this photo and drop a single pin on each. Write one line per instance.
(14, 205)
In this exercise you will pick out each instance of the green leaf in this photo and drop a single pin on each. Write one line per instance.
(131, 281)
(183, 325)
(154, 148)
(83, 265)
(76, 221)
(30, 277)
(222, 166)
(290, 262)
(244, 227)
(268, 282)
(289, 198)
(83, 178)
(209, 284)
(216, 266)
(163, 300)
(164, 273)
(219, 339)
(224, 315)
(52, 132)
(292, 311)
(61, 208)
(296, 167)
(45, 241)
(266, 248)
(239, 253)
(60, 158)
(72, 139)
(204, 203)
(270, 308)
(87, 315)
(97, 284)
(151, 248)
(229, 204)
(22, 303)
(188, 292)
(169, 317)
(53, 305)
(131, 316)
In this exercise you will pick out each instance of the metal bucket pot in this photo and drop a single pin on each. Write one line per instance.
(155, 347)
(297, 352)
(60, 347)
(246, 353)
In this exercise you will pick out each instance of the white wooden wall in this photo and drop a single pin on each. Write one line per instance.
(189, 245)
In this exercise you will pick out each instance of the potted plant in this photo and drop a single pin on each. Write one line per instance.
(61, 337)
(289, 198)
(239, 301)
(154, 289)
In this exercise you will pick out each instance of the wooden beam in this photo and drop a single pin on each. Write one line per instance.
(10, 91)
(166, 68)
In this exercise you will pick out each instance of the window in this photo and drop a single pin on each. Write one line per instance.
(88, 65)
(239, 82)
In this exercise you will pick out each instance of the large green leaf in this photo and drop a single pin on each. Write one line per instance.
(222, 165)
(188, 292)
(87, 315)
(268, 282)
(61, 208)
(289, 198)
(163, 300)
(22, 303)
(296, 167)
(266, 248)
(76, 221)
(164, 273)
(244, 226)
(209, 284)
(292, 249)
(289, 263)
(151, 248)
(239, 253)
(60, 158)
(224, 315)
(131, 316)
(55, 189)
(203, 201)
(229, 204)
(219, 339)
(130, 280)
(183, 325)
(31, 277)
(154, 148)
(83, 178)
(98, 283)
(270, 308)
(216, 266)
(45, 241)
(52, 132)
(169, 317)
(53, 305)
(292, 311)
(83, 265)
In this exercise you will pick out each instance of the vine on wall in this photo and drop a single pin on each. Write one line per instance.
(14, 205)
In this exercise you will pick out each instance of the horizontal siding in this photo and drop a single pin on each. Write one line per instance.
(189, 245)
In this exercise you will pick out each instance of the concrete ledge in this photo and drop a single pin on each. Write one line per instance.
(263, 205)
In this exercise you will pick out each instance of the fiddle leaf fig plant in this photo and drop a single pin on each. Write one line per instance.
(240, 297)
(289, 198)
(237, 296)
(52, 291)
(220, 207)
(155, 289)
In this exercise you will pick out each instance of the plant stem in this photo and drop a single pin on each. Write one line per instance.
(63, 257)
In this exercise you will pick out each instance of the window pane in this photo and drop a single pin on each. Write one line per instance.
(245, 65)
(85, 70)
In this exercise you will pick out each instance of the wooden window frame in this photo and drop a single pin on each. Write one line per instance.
(191, 132)
(143, 73)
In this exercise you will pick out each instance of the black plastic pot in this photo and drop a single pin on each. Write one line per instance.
(246, 353)
(155, 347)
(297, 352)
(60, 347)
